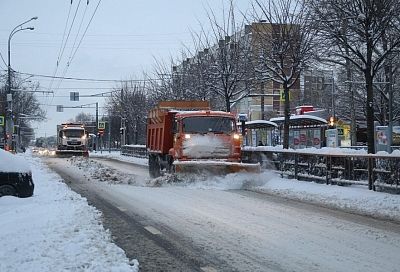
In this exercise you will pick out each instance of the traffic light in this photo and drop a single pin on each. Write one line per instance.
(121, 131)
(332, 121)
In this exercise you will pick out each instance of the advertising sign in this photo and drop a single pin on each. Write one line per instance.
(396, 136)
(382, 138)
(332, 137)
(317, 138)
(296, 138)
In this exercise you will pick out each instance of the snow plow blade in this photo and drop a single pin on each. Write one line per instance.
(71, 153)
(215, 167)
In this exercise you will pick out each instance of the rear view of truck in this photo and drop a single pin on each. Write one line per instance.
(72, 140)
(187, 137)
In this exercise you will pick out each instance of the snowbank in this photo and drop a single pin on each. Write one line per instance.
(356, 199)
(13, 163)
(55, 230)
(116, 155)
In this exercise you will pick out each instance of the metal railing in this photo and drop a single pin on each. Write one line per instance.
(139, 151)
(380, 172)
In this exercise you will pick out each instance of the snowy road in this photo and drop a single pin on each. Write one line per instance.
(238, 230)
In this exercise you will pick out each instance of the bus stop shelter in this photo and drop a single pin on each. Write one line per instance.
(260, 132)
(304, 130)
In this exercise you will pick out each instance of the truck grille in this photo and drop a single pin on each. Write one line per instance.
(204, 147)
(74, 142)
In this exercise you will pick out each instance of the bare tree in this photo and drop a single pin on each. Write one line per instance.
(26, 107)
(284, 44)
(354, 30)
(216, 66)
(130, 105)
(230, 57)
(83, 117)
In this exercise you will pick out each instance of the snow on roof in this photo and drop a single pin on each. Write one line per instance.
(71, 128)
(256, 123)
(295, 117)
(211, 112)
(300, 117)
(13, 163)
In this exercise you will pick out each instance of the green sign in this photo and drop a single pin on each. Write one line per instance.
(2, 120)
(282, 96)
(340, 130)
(102, 125)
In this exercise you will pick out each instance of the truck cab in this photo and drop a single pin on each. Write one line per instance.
(72, 137)
(205, 135)
(186, 136)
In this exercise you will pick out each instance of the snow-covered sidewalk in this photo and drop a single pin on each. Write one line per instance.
(55, 230)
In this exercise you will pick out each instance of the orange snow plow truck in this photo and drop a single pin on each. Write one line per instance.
(187, 137)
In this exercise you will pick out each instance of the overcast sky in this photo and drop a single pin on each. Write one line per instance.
(122, 41)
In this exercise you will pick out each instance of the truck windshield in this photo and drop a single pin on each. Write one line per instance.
(208, 124)
(73, 133)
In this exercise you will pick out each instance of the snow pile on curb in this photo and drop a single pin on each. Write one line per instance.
(13, 163)
(116, 155)
(55, 230)
(96, 171)
(356, 199)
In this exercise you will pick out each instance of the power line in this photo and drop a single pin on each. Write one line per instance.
(83, 88)
(143, 47)
(70, 28)
(79, 29)
(61, 45)
(117, 35)
(3, 60)
(63, 36)
(84, 33)
(91, 79)
(61, 49)
(65, 44)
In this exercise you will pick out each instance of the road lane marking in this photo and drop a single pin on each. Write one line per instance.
(153, 230)
(208, 269)
(122, 209)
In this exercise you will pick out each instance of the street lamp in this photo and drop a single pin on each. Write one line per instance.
(9, 123)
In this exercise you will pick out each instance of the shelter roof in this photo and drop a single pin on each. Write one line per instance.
(301, 121)
(259, 124)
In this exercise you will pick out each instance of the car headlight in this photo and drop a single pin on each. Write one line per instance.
(187, 136)
(236, 136)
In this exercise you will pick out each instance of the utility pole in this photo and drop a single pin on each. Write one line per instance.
(97, 125)
(390, 125)
(109, 135)
(123, 128)
(9, 115)
(333, 95)
(262, 101)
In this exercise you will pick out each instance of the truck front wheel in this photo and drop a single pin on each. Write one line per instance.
(170, 165)
(154, 166)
